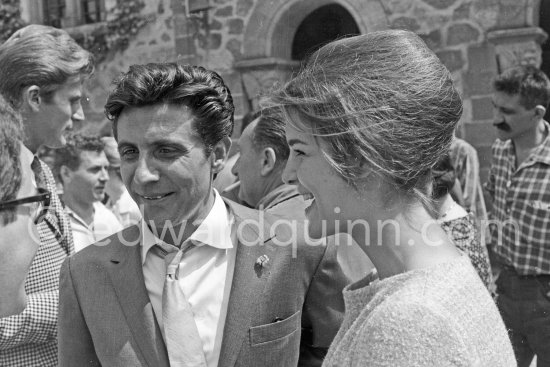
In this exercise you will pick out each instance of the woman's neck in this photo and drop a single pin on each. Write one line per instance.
(405, 242)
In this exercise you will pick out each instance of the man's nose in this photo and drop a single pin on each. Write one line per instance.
(145, 172)
(78, 115)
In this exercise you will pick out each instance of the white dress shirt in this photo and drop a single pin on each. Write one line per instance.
(104, 224)
(205, 275)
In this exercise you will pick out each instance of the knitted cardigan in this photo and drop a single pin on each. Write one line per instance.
(438, 316)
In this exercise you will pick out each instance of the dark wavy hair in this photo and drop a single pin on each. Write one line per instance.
(11, 133)
(69, 155)
(530, 83)
(203, 91)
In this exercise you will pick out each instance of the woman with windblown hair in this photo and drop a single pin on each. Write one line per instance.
(367, 119)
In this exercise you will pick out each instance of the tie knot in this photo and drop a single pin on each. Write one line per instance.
(172, 256)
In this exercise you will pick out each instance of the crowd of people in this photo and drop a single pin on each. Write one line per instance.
(348, 229)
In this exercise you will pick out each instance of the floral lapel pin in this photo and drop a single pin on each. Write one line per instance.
(260, 264)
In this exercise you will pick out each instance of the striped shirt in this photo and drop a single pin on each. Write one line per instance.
(521, 207)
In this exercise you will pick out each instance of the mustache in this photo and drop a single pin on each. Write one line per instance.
(503, 126)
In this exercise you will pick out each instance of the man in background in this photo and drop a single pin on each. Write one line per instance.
(41, 73)
(519, 184)
(118, 200)
(82, 168)
(263, 152)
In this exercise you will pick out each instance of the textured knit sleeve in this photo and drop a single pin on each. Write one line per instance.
(409, 334)
(36, 324)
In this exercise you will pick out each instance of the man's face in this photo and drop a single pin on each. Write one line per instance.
(87, 182)
(164, 165)
(58, 114)
(248, 167)
(511, 119)
(19, 238)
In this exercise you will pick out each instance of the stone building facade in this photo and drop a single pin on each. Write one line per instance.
(256, 43)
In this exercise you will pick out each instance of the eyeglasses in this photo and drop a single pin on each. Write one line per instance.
(38, 210)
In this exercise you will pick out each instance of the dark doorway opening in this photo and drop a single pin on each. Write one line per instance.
(322, 26)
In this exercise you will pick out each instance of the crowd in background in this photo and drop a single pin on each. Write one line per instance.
(363, 135)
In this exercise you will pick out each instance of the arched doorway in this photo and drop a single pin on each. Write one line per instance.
(320, 27)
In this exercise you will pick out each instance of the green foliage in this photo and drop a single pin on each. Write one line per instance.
(10, 18)
(123, 23)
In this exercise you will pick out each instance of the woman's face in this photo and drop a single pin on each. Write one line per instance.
(307, 167)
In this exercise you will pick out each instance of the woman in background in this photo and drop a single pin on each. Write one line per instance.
(367, 119)
(457, 222)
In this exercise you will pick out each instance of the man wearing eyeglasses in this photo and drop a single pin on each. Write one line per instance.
(21, 206)
(41, 74)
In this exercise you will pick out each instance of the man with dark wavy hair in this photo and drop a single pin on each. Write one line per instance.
(201, 281)
(41, 73)
(519, 184)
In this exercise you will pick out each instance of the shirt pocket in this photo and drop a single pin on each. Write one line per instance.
(277, 330)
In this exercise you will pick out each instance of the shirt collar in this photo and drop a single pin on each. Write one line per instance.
(542, 153)
(214, 231)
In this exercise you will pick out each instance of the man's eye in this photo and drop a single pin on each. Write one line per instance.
(128, 153)
(298, 152)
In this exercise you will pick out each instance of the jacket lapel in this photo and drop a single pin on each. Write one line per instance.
(127, 276)
(249, 279)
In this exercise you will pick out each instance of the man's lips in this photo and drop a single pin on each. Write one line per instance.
(154, 197)
(502, 126)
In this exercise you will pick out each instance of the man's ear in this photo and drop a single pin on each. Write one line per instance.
(540, 111)
(65, 174)
(269, 160)
(220, 153)
(31, 98)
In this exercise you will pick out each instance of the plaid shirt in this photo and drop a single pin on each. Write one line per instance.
(521, 207)
(30, 338)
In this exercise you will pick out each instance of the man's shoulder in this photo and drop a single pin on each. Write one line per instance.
(118, 245)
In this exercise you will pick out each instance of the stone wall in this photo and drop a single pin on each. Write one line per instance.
(249, 41)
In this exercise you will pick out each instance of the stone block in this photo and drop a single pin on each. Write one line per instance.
(440, 4)
(244, 6)
(462, 12)
(213, 41)
(481, 134)
(512, 15)
(226, 11)
(234, 46)
(215, 25)
(432, 39)
(478, 83)
(178, 6)
(482, 109)
(482, 58)
(236, 26)
(405, 23)
(396, 6)
(452, 59)
(185, 46)
(461, 33)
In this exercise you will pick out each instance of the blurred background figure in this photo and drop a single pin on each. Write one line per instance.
(226, 182)
(263, 153)
(82, 168)
(117, 198)
(21, 208)
(457, 222)
(41, 74)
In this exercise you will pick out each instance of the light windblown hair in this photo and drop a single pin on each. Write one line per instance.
(382, 101)
(43, 56)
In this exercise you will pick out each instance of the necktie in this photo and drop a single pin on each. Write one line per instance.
(180, 330)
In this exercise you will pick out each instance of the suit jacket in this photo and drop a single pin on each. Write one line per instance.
(292, 303)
